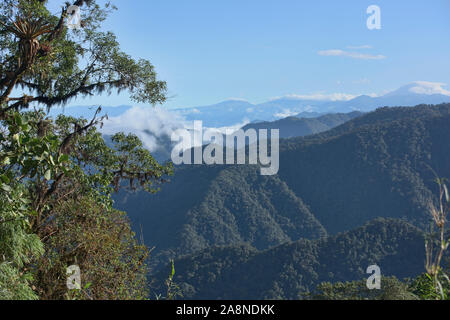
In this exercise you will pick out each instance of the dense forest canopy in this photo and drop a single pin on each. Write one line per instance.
(375, 165)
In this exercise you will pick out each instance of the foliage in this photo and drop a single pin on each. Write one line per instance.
(391, 289)
(436, 283)
(67, 174)
(44, 62)
(98, 240)
(18, 246)
(424, 286)
(57, 176)
(173, 291)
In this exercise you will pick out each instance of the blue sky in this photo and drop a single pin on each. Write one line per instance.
(212, 50)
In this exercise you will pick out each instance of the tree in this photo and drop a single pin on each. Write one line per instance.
(18, 246)
(48, 166)
(100, 242)
(57, 177)
(42, 61)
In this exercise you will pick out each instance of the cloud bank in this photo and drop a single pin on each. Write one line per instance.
(425, 87)
(153, 125)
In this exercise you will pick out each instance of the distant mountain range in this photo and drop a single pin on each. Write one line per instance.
(232, 112)
(375, 165)
(309, 123)
(293, 116)
(236, 111)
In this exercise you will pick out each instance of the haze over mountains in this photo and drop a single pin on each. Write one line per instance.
(154, 126)
(234, 112)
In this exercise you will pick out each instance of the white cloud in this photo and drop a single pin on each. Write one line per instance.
(350, 54)
(232, 128)
(149, 124)
(158, 121)
(359, 47)
(286, 113)
(425, 87)
(197, 138)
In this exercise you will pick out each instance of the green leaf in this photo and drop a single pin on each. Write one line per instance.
(63, 158)
(172, 274)
(87, 285)
(18, 119)
(25, 200)
(5, 179)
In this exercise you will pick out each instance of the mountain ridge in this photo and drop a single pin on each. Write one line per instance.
(373, 166)
(242, 272)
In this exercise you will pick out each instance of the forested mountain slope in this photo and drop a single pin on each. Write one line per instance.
(376, 165)
(297, 127)
(287, 271)
(220, 205)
